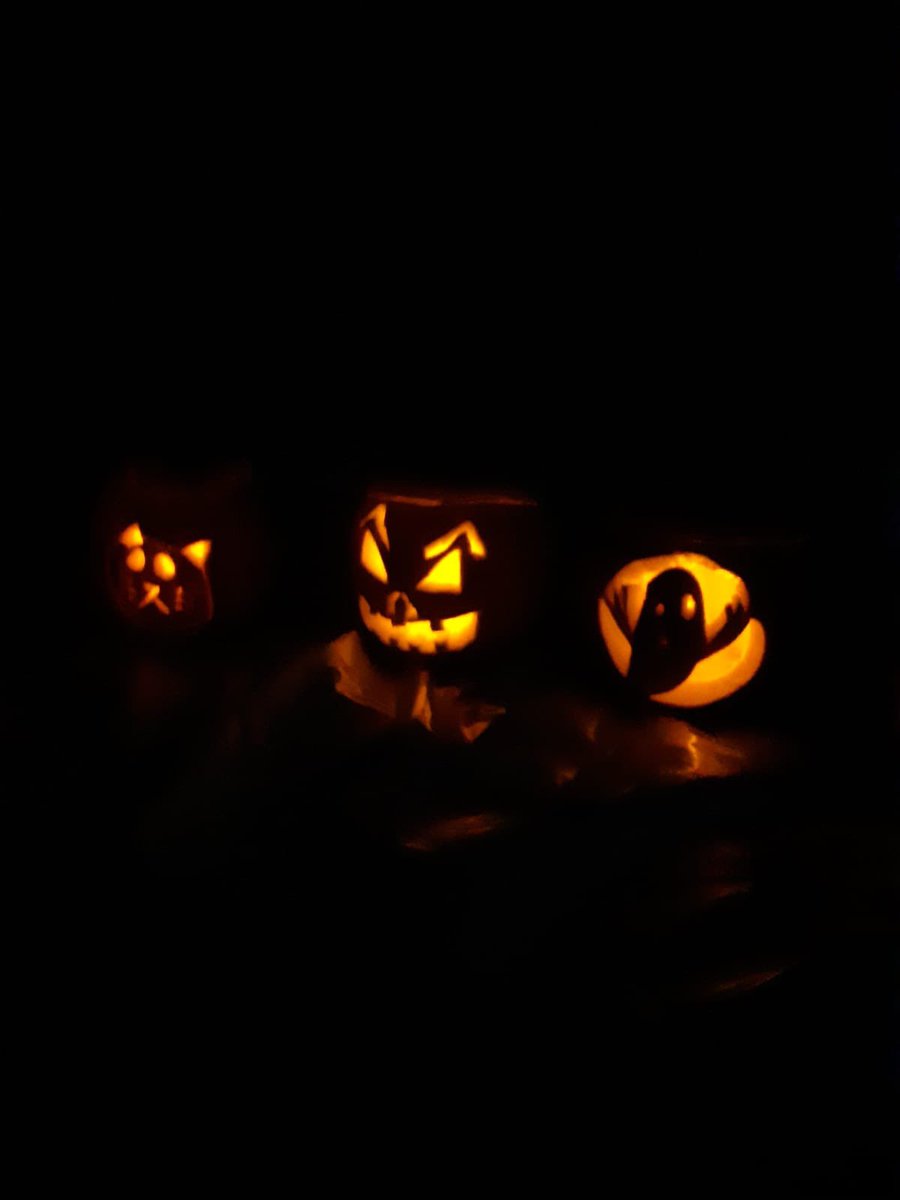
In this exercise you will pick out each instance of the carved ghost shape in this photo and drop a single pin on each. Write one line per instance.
(678, 627)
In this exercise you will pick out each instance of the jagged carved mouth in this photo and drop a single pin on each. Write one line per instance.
(452, 633)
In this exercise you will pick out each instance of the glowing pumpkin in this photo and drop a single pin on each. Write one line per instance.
(438, 574)
(678, 627)
(177, 544)
(154, 583)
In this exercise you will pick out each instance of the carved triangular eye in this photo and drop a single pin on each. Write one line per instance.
(131, 537)
(197, 553)
(370, 557)
(445, 575)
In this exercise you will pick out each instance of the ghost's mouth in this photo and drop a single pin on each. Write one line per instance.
(453, 633)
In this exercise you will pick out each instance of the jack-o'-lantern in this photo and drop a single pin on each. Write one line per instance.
(180, 545)
(678, 627)
(440, 574)
(154, 582)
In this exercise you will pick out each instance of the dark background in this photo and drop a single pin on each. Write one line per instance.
(660, 300)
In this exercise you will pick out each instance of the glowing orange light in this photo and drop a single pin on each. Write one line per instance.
(377, 517)
(163, 566)
(197, 553)
(131, 537)
(445, 575)
(410, 612)
(371, 558)
(454, 632)
(152, 597)
(714, 677)
(476, 545)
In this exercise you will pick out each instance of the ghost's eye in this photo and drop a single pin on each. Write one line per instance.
(688, 606)
(445, 575)
(371, 557)
(163, 566)
(660, 609)
(135, 560)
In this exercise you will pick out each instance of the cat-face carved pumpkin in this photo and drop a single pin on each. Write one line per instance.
(158, 586)
(436, 575)
(678, 627)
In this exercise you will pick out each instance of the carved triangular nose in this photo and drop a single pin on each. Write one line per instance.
(400, 609)
(401, 604)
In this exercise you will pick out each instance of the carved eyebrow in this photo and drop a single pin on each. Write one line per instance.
(476, 545)
(377, 517)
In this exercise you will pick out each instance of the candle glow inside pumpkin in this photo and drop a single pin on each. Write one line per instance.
(678, 627)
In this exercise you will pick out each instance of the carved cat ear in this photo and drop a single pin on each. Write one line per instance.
(197, 553)
(131, 537)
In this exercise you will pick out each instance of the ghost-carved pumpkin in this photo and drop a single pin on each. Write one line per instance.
(678, 627)
(437, 575)
(155, 584)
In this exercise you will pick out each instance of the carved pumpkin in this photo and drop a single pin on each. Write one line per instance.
(155, 583)
(439, 574)
(678, 627)
(180, 545)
